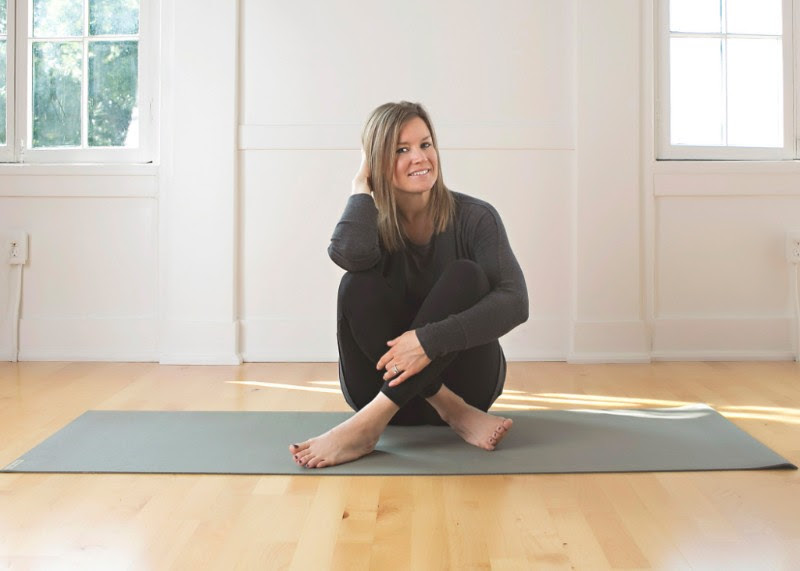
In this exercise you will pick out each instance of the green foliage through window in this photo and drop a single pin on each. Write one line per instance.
(106, 56)
(113, 73)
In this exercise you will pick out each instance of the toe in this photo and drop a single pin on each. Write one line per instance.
(295, 448)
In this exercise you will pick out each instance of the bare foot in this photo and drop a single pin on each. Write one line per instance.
(480, 428)
(343, 443)
(350, 440)
(476, 427)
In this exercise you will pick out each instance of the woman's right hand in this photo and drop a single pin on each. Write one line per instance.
(361, 180)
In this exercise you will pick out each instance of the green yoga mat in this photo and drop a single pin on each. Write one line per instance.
(548, 441)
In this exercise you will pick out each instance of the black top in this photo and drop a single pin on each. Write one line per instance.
(476, 234)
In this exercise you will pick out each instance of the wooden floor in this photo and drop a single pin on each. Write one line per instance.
(704, 520)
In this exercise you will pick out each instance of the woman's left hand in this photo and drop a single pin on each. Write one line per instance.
(407, 355)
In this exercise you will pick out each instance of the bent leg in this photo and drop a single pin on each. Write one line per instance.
(370, 312)
(477, 375)
(461, 285)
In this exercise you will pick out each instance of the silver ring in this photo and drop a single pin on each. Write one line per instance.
(396, 372)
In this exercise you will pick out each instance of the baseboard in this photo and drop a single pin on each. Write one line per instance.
(723, 339)
(729, 356)
(600, 358)
(198, 359)
(609, 342)
(88, 339)
(284, 340)
(6, 341)
(199, 343)
(289, 340)
(314, 340)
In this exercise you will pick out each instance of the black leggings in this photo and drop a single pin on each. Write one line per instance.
(371, 312)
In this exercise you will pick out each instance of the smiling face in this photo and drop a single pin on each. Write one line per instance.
(416, 160)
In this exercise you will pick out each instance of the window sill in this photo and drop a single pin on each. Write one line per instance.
(79, 180)
(726, 178)
(725, 166)
(78, 169)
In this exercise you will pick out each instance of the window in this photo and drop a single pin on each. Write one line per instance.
(726, 79)
(72, 87)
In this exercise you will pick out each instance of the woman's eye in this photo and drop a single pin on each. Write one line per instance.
(402, 150)
(425, 145)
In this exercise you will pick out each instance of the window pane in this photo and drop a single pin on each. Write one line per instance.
(3, 89)
(3, 28)
(118, 17)
(695, 16)
(754, 17)
(113, 75)
(57, 18)
(696, 91)
(57, 70)
(755, 93)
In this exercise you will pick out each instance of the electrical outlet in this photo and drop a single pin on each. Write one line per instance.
(793, 247)
(17, 248)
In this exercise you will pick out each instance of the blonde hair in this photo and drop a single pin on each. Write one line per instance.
(379, 139)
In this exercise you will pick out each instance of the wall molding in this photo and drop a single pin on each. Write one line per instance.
(550, 136)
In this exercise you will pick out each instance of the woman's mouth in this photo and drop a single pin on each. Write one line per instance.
(420, 173)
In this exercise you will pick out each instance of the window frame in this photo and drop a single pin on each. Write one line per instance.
(790, 150)
(7, 150)
(18, 149)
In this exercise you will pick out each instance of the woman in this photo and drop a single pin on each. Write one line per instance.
(430, 276)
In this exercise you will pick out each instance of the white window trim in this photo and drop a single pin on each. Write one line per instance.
(17, 151)
(791, 60)
(7, 150)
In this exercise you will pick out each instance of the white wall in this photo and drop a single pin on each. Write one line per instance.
(722, 284)
(500, 87)
(544, 108)
(90, 285)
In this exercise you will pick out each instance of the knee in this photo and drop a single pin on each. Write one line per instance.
(361, 287)
(469, 276)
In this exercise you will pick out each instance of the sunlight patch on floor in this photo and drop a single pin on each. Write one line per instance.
(521, 400)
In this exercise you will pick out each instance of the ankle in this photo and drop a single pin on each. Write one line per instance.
(378, 412)
(448, 404)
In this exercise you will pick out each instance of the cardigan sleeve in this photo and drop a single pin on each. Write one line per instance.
(355, 246)
(499, 311)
